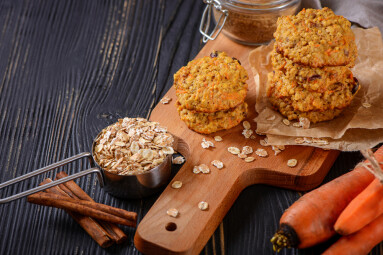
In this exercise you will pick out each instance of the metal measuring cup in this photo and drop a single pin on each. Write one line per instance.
(123, 186)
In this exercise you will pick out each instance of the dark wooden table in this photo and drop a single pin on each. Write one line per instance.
(70, 68)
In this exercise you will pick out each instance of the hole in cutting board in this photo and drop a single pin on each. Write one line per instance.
(171, 226)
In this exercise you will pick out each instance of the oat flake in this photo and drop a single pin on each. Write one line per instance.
(234, 150)
(241, 155)
(203, 206)
(304, 123)
(271, 118)
(286, 122)
(204, 169)
(176, 184)
(247, 150)
(366, 105)
(249, 159)
(218, 164)
(261, 152)
(247, 133)
(173, 212)
(292, 162)
(246, 124)
(165, 100)
(217, 138)
(178, 160)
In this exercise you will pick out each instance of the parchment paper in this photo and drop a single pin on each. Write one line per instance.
(357, 127)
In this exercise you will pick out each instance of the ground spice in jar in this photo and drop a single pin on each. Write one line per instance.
(253, 22)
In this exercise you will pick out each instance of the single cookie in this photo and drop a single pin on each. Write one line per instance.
(288, 97)
(207, 123)
(213, 83)
(316, 38)
(310, 78)
(283, 105)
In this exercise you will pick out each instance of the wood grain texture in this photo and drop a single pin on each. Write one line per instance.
(70, 68)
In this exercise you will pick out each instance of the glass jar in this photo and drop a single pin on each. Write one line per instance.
(250, 22)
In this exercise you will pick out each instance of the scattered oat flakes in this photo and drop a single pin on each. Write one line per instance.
(304, 122)
(286, 122)
(234, 150)
(206, 144)
(320, 141)
(249, 159)
(252, 137)
(217, 138)
(241, 155)
(271, 118)
(178, 160)
(247, 133)
(165, 100)
(218, 164)
(247, 150)
(261, 152)
(296, 124)
(203, 206)
(299, 140)
(246, 124)
(366, 105)
(173, 212)
(204, 169)
(308, 140)
(196, 170)
(276, 149)
(176, 184)
(292, 162)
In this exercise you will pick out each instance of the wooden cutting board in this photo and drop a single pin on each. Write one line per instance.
(159, 233)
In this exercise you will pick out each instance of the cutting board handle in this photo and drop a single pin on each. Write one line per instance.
(159, 233)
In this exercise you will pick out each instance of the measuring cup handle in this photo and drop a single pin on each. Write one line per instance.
(54, 183)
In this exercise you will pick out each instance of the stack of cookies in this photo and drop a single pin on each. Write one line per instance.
(312, 57)
(211, 93)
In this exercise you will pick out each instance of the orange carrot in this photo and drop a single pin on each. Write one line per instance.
(311, 218)
(360, 242)
(363, 209)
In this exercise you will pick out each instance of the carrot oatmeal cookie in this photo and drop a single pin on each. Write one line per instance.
(207, 123)
(316, 38)
(339, 95)
(313, 79)
(212, 83)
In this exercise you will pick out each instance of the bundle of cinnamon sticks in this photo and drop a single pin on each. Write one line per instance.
(98, 220)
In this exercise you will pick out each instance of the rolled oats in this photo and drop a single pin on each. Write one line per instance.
(204, 169)
(263, 142)
(196, 170)
(241, 155)
(249, 159)
(366, 105)
(206, 144)
(217, 138)
(246, 125)
(261, 152)
(296, 124)
(173, 212)
(320, 141)
(218, 164)
(247, 150)
(292, 162)
(132, 145)
(203, 206)
(299, 140)
(165, 100)
(178, 160)
(304, 122)
(176, 184)
(234, 150)
(286, 122)
(247, 133)
(271, 118)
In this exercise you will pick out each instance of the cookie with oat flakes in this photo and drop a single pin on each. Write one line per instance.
(212, 83)
(316, 38)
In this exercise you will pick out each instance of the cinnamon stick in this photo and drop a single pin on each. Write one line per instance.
(97, 233)
(74, 191)
(91, 209)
